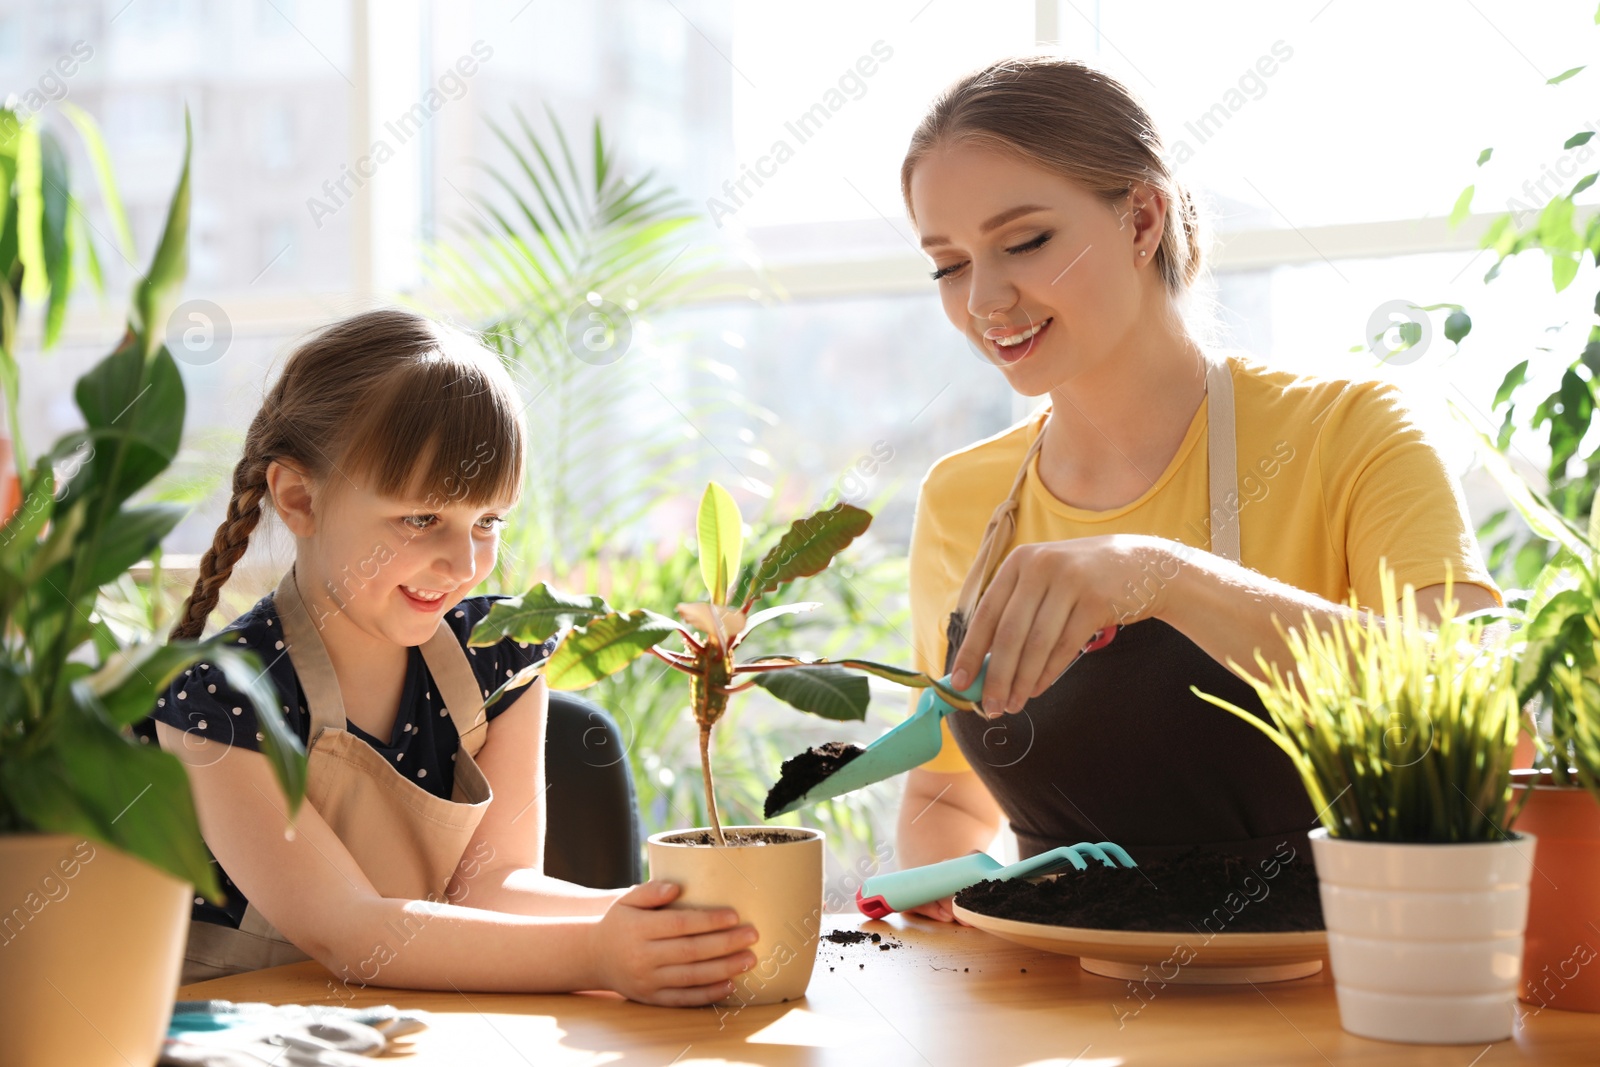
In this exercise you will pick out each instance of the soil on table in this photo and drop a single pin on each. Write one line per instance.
(739, 838)
(799, 773)
(1196, 891)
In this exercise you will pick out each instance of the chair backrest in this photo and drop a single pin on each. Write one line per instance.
(592, 830)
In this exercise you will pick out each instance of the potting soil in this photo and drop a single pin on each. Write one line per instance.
(1196, 891)
(799, 773)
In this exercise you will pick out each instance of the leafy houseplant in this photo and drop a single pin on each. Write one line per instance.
(779, 889)
(1558, 679)
(1404, 736)
(71, 774)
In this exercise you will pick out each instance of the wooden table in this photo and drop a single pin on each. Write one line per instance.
(947, 995)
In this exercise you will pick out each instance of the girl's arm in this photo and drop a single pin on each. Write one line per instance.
(307, 884)
(502, 868)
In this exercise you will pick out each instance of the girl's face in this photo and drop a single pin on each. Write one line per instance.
(1023, 254)
(397, 565)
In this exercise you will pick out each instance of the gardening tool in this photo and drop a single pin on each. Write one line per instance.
(911, 744)
(900, 890)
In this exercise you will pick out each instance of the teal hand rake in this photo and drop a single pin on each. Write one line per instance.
(900, 890)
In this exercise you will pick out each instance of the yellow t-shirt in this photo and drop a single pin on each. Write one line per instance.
(1333, 475)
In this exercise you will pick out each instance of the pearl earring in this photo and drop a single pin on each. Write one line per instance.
(1141, 251)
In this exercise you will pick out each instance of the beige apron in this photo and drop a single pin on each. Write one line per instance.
(406, 840)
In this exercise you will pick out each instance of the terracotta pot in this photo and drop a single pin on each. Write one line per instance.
(1425, 940)
(92, 942)
(775, 887)
(1561, 962)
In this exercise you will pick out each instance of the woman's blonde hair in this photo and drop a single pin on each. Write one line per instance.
(1079, 122)
(397, 400)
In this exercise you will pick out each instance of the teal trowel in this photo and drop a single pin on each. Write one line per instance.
(911, 744)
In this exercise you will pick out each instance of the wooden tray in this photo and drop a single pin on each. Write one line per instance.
(1202, 958)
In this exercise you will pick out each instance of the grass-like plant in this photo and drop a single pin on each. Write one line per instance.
(598, 640)
(1402, 731)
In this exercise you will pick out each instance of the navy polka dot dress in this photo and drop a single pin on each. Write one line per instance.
(424, 742)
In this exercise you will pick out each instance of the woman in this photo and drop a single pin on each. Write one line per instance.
(1156, 516)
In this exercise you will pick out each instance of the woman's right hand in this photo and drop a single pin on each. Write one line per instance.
(682, 957)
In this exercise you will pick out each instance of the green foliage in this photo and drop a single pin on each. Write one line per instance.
(68, 763)
(1565, 414)
(1400, 731)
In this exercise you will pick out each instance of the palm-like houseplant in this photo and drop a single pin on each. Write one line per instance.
(70, 769)
(1404, 735)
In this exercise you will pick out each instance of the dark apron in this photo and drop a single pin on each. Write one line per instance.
(1118, 748)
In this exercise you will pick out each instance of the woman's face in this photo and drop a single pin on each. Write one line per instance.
(1018, 249)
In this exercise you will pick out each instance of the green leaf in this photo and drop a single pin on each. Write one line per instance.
(1583, 183)
(535, 615)
(100, 159)
(1543, 519)
(721, 541)
(1457, 325)
(92, 780)
(1510, 383)
(30, 213)
(156, 292)
(604, 646)
(1463, 206)
(1563, 76)
(1563, 268)
(768, 614)
(1483, 157)
(53, 235)
(909, 678)
(806, 548)
(828, 691)
(132, 534)
(135, 410)
(1581, 137)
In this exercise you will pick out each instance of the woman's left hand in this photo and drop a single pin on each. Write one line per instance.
(1045, 603)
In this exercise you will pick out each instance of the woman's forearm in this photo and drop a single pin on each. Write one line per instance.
(418, 944)
(1229, 610)
(942, 816)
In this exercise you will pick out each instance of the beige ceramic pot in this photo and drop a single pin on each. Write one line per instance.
(775, 885)
(91, 940)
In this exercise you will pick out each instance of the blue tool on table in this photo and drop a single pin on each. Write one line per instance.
(894, 891)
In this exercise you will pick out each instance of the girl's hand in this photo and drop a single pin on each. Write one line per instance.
(942, 910)
(1045, 603)
(679, 958)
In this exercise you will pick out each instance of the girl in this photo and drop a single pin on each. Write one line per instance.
(1191, 498)
(391, 447)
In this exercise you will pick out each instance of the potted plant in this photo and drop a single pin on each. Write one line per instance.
(1403, 735)
(771, 875)
(100, 847)
(1559, 796)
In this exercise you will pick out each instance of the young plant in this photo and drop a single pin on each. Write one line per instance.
(1401, 731)
(68, 690)
(599, 640)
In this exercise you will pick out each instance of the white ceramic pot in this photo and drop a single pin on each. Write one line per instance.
(1425, 941)
(91, 942)
(776, 887)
